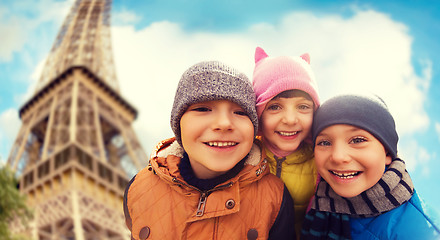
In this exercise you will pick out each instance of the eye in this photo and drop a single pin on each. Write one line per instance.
(201, 109)
(304, 107)
(240, 112)
(274, 107)
(357, 140)
(323, 143)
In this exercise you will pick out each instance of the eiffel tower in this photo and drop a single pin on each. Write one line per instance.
(76, 148)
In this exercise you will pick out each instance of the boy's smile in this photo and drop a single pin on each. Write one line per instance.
(345, 175)
(216, 135)
(350, 159)
(286, 122)
(221, 144)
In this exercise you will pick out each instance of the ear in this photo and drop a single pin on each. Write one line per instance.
(388, 159)
(260, 54)
(306, 57)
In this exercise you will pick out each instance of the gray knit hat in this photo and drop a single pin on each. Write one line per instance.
(208, 81)
(369, 113)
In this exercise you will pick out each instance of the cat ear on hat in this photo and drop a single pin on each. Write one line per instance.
(306, 57)
(260, 54)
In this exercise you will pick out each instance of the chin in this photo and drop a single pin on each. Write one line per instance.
(347, 194)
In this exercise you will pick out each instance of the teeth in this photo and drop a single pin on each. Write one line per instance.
(345, 175)
(287, 133)
(222, 144)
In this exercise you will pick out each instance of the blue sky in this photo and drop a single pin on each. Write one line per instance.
(387, 47)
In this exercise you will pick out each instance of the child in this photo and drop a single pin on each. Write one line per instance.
(365, 191)
(287, 97)
(211, 180)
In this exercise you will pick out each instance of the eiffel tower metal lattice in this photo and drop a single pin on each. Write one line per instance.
(76, 147)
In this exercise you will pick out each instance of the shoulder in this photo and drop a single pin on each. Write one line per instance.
(164, 158)
(302, 156)
(269, 188)
(306, 151)
(167, 147)
(408, 221)
(257, 174)
(136, 189)
(425, 212)
(256, 154)
(144, 182)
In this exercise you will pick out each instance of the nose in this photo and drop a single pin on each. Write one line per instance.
(290, 117)
(222, 121)
(340, 154)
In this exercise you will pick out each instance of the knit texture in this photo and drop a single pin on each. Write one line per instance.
(274, 75)
(369, 113)
(329, 217)
(209, 81)
(392, 190)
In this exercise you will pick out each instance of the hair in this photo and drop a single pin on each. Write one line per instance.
(294, 93)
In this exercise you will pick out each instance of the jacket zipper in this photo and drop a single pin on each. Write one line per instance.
(201, 206)
(203, 195)
(279, 165)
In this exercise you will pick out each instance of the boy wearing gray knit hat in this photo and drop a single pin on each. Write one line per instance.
(212, 178)
(209, 81)
(365, 189)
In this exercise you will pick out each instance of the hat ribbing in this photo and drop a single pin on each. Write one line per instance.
(208, 81)
(368, 113)
(274, 75)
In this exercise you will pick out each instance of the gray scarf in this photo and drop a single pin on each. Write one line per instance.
(393, 189)
(329, 215)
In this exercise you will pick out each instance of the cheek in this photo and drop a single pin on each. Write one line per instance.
(247, 128)
(320, 158)
(184, 127)
(268, 122)
(377, 167)
(187, 127)
(307, 121)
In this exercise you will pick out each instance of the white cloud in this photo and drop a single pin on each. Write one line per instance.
(33, 80)
(12, 38)
(19, 18)
(124, 17)
(149, 64)
(367, 51)
(415, 156)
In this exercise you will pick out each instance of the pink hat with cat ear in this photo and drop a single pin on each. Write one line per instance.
(274, 75)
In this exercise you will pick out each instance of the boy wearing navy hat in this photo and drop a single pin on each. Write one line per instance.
(365, 191)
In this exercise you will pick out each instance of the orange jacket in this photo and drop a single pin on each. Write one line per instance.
(159, 204)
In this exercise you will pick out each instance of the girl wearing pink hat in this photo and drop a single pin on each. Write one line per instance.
(287, 97)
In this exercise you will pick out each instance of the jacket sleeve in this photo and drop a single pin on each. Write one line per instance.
(284, 225)
(126, 212)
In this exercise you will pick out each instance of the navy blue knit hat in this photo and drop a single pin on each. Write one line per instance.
(368, 113)
(208, 81)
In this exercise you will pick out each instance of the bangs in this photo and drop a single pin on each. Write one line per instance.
(294, 93)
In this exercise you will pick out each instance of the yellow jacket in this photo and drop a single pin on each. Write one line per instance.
(298, 172)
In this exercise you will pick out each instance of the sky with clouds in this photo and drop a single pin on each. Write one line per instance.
(386, 47)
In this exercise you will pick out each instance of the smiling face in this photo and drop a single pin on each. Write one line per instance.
(216, 135)
(350, 159)
(286, 121)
